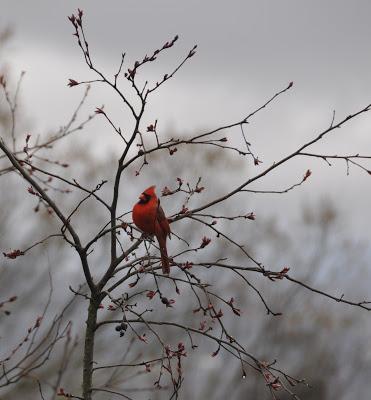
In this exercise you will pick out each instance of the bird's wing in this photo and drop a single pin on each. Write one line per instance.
(162, 220)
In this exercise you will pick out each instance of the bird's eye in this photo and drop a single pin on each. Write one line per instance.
(144, 198)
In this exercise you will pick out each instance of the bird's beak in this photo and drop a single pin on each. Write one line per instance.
(142, 197)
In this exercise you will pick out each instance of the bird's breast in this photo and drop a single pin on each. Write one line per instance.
(144, 218)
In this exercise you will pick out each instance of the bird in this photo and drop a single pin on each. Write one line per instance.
(150, 218)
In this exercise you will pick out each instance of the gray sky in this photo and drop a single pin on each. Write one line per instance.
(248, 50)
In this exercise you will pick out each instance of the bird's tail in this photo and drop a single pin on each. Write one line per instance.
(164, 256)
(165, 262)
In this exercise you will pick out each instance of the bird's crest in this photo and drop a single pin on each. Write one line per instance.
(150, 191)
(147, 195)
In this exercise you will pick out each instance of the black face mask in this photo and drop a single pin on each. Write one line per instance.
(145, 200)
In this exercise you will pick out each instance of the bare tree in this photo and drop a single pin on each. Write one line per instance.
(136, 298)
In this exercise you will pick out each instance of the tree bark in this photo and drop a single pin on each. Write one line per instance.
(91, 323)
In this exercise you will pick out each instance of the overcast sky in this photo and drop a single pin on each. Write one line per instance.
(247, 51)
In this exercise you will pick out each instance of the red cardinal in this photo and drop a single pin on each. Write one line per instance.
(150, 218)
